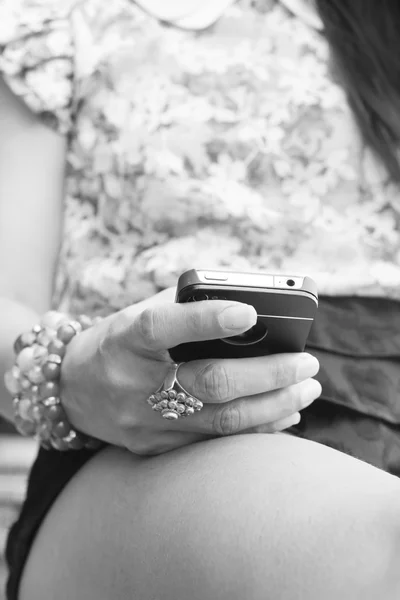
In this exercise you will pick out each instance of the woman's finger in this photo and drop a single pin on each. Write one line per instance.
(222, 380)
(170, 440)
(233, 417)
(283, 424)
(163, 326)
(276, 426)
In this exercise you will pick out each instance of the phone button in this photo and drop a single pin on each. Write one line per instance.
(216, 276)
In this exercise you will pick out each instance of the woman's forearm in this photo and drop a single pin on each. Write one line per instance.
(32, 164)
(15, 318)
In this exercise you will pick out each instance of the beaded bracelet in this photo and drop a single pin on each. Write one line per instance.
(34, 383)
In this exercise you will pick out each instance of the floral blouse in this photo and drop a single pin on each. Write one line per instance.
(232, 147)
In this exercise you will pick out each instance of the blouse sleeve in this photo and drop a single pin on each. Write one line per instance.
(36, 57)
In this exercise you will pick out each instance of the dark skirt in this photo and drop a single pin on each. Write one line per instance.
(357, 341)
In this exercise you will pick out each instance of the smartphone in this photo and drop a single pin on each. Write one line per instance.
(286, 306)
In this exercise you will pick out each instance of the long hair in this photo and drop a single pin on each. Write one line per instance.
(364, 37)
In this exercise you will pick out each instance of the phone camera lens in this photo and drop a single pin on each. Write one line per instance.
(252, 336)
(290, 283)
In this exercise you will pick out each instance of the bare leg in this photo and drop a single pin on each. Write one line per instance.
(247, 517)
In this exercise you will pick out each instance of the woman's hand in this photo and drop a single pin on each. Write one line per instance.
(111, 369)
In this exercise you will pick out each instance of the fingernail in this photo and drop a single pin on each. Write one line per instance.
(307, 366)
(240, 316)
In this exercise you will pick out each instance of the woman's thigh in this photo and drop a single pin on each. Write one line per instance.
(245, 517)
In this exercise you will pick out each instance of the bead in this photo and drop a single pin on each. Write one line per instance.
(74, 441)
(172, 405)
(164, 403)
(53, 319)
(51, 401)
(151, 400)
(24, 427)
(59, 444)
(36, 329)
(25, 384)
(84, 321)
(49, 388)
(65, 333)
(23, 341)
(54, 358)
(16, 372)
(25, 360)
(12, 383)
(45, 336)
(43, 432)
(70, 436)
(76, 326)
(181, 397)
(39, 354)
(157, 407)
(164, 394)
(189, 410)
(171, 415)
(198, 405)
(180, 409)
(189, 401)
(61, 429)
(38, 412)
(172, 394)
(28, 338)
(24, 409)
(56, 346)
(34, 393)
(35, 375)
(51, 371)
(55, 412)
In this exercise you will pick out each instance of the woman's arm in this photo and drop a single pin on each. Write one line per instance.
(32, 159)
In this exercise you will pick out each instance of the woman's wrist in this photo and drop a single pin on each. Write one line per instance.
(14, 317)
(34, 383)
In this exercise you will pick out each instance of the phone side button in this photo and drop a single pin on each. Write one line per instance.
(216, 276)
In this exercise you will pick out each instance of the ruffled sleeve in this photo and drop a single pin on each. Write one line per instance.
(36, 57)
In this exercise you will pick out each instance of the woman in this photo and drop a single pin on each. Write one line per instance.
(217, 135)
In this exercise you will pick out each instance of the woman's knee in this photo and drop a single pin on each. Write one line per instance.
(250, 516)
(282, 517)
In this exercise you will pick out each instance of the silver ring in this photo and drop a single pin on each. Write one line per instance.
(172, 400)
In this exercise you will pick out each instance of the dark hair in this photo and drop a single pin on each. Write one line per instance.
(364, 37)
